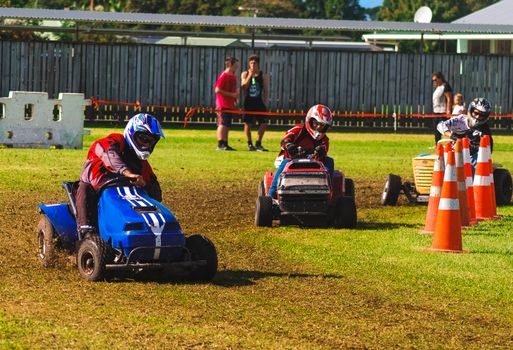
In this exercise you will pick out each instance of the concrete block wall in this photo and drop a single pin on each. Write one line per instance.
(31, 120)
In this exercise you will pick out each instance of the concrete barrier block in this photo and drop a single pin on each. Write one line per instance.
(31, 120)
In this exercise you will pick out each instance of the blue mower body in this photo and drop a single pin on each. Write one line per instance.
(136, 232)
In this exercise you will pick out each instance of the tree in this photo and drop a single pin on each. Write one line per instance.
(444, 11)
(331, 9)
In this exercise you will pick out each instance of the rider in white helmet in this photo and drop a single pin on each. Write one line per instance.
(473, 125)
(311, 137)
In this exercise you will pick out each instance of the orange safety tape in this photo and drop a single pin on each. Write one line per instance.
(192, 111)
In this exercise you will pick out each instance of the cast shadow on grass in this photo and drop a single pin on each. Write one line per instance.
(376, 226)
(239, 278)
(488, 251)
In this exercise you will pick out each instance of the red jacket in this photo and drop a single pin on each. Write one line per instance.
(299, 136)
(109, 157)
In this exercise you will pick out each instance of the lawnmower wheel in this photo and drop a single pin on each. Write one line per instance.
(503, 186)
(264, 211)
(392, 190)
(201, 248)
(47, 241)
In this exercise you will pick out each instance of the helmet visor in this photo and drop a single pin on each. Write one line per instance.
(319, 127)
(145, 141)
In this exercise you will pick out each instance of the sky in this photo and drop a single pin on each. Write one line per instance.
(370, 3)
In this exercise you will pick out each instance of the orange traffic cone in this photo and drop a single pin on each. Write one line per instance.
(467, 170)
(482, 190)
(447, 148)
(492, 182)
(435, 190)
(447, 235)
(462, 188)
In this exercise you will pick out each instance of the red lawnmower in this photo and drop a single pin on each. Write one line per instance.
(307, 196)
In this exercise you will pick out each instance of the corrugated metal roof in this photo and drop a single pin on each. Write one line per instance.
(250, 22)
(498, 13)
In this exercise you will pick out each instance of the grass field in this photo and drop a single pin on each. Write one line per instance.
(280, 287)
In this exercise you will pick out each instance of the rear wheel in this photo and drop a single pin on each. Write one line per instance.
(261, 189)
(201, 248)
(264, 211)
(345, 213)
(392, 190)
(92, 256)
(349, 186)
(503, 186)
(47, 242)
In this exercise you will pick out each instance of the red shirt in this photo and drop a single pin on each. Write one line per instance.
(109, 157)
(299, 136)
(228, 83)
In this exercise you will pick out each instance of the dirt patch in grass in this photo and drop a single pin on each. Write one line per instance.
(257, 300)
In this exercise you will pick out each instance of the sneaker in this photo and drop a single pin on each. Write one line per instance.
(221, 148)
(260, 148)
(228, 148)
(251, 148)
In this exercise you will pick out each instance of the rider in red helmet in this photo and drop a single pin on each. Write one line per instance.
(311, 137)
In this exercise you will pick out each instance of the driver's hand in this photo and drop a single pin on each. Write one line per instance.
(320, 152)
(292, 149)
(136, 179)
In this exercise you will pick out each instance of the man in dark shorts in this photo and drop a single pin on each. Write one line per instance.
(256, 99)
(227, 95)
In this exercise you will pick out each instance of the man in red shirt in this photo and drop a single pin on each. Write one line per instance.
(227, 95)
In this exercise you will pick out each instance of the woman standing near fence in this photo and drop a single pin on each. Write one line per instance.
(442, 101)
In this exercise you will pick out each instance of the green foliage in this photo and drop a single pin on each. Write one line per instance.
(444, 11)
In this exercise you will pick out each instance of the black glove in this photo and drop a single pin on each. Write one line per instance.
(320, 152)
(291, 149)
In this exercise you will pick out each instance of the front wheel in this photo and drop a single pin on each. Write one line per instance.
(264, 211)
(201, 248)
(345, 213)
(47, 242)
(503, 186)
(92, 257)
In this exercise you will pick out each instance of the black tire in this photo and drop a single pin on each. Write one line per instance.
(264, 211)
(392, 190)
(503, 186)
(92, 256)
(201, 248)
(47, 242)
(261, 189)
(349, 186)
(345, 213)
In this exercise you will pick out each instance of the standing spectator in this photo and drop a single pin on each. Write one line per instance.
(255, 84)
(227, 95)
(442, 101)
(459, 105)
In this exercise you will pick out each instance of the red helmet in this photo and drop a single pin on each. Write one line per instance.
(318, 120)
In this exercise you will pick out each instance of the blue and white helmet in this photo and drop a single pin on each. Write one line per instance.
(142, 123)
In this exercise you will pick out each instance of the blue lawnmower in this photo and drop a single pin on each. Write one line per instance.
(137, 234)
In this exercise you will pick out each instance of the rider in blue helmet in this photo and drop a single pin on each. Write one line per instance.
(143, 125)
(117, 155)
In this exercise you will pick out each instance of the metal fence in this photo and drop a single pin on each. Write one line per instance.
(176, 78)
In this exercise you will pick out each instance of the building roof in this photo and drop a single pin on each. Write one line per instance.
(249, 22)
(497, 14)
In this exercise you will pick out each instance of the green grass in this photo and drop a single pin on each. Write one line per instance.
(283, 287)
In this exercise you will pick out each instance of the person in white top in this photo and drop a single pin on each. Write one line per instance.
(459, 106)
(473, 125)
(442, 101)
